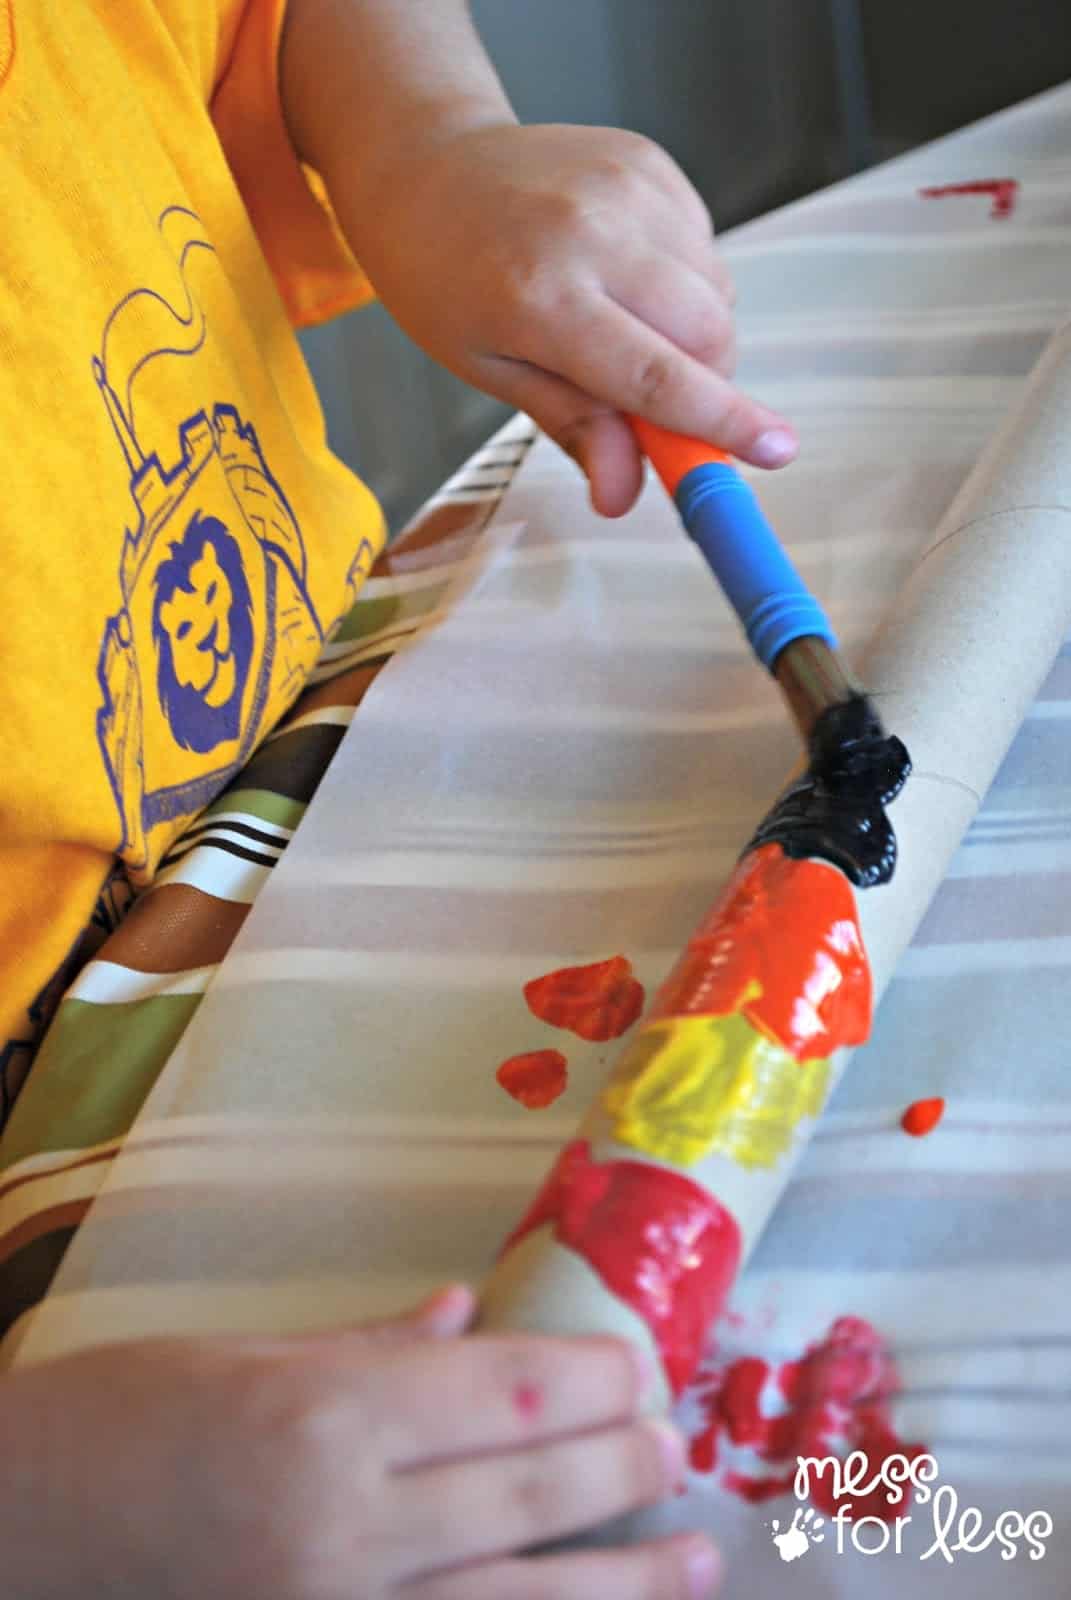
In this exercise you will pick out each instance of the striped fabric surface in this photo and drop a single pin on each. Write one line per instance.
(122, 1017)
(562, 766)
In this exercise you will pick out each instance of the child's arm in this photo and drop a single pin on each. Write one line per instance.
(570, 271)
(352, 1466)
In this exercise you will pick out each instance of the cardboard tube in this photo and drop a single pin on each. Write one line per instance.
(953, 672)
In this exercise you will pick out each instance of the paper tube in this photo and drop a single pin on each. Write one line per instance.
(953, 672)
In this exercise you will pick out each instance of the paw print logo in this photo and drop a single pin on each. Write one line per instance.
(799, 1537)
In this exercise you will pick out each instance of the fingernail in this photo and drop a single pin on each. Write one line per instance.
(673, 1448)
(774, 448)
(443, 1306)
(703, 1566)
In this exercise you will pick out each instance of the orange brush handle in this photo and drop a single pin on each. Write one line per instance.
(673, 454)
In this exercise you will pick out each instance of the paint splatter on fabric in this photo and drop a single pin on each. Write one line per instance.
(782, 947)
(834, 1400)
(837, 809)
(656, 1239)
(687, 1086)
(535, 1078)
(1004, 192)
(599, 1002)
(922, 1116)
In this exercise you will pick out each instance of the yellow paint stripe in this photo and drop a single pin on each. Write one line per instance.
(689, 1086)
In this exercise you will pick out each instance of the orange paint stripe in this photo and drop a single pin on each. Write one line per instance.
(782, 947)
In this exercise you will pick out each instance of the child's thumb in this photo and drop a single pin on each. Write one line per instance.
(441, 1315)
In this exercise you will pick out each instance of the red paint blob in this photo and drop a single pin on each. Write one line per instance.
(832, 1401)
(598, 1002)
(656, 1239)
(528, 1401)
(922, 1116)
(536, 1078)
(1004, 193)
(790, 929)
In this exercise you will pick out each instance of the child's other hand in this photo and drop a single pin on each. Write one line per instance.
(573, 273)
(397, 1460)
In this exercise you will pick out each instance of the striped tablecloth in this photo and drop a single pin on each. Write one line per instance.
(566, 752)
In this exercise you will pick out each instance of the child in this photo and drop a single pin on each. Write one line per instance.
(183, 181)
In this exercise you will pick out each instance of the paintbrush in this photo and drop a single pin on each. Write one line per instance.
(837, 809)
(784, 623)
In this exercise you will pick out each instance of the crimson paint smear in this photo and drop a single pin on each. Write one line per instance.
(922, 1116)
(535, 1078)
(783, 947)
(1004, 193)
(835, 1399)
(600, 1001)
(656, 1239)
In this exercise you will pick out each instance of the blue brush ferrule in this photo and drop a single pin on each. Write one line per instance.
(723, 516)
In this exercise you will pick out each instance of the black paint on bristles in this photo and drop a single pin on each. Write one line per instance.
(836, 811)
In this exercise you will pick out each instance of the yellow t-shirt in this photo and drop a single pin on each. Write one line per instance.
(177, 539)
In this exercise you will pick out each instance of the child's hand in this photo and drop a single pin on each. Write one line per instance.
(573, 273)
(374, 1463)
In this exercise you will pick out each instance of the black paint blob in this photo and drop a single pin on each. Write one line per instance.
(836, 810)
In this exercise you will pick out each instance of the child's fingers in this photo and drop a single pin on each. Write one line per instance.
(605, 447)
(441, 1315)
(680, 304)
(664, 227)
(704, 257)
(685, 1567)
(594, 434)
(663, 232)
(444, 1313)
(461, 1511)
(431, 1402)
(618, 359)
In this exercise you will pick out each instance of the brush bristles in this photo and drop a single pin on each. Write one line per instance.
(812, 678)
